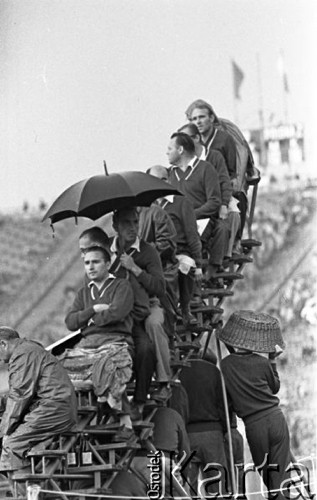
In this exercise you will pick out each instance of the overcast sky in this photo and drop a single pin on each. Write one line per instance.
(84, 81)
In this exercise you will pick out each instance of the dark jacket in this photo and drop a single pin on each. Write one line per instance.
(201, 186)
(40, 393)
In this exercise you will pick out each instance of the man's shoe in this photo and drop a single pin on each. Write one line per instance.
(197, 301)
(124, 434)
(162, 394)
(135, 413)
(189, 318)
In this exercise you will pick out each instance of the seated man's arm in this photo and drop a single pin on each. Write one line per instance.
(23, 378)
(79, 315)
(190, 229)
(165, 235)
(210, 207)
(120, 306)
(224, 179)
(149, 272)
(231, 156)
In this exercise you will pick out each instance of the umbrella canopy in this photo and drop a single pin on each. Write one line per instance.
(101, 194)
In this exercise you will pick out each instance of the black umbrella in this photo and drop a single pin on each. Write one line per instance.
(101, 194)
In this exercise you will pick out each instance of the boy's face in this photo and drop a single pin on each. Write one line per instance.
(96, 266)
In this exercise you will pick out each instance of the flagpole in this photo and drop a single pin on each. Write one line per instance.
(284, 86)
(261, 114)
(235, 110)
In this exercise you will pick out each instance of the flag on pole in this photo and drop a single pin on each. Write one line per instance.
(282, 72)
(238, 77)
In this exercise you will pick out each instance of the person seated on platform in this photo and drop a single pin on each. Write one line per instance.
(138, 257)
(199, 181)
(102, 311)
(157, 228)
(202, 114)
(188, 251)
(240, 169)
(229, 205)
(144, 354)
(41, 402)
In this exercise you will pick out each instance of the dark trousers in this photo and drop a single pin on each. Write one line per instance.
(144, 362)
(269, 443)
(186, 284)
(170, 300)
(243, 207)
(215, 239)
(208, 448)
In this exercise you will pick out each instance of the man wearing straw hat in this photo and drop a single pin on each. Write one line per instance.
(252, 382)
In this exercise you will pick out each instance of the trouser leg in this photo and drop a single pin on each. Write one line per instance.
(243, 207)
(154, 327)
(186, 284)
(268, 440)
(170, 300)
(144, 362)
(218, 243)
(234, 226)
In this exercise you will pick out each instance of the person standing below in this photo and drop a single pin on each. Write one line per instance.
(188, 243)
(102, 311)
(198, 180)
(41, 402)
(206, 424)
(138, 257)
(252, 383)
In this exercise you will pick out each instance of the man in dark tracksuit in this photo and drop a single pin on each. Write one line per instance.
(206, 423)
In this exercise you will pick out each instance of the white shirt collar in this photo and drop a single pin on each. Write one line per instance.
(114, 245)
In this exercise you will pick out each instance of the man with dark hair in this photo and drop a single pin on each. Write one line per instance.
(198, 180)
(188, 243)
(217, 160)
(139, 258)
(93, 236)
(229, 205)
(41, 401)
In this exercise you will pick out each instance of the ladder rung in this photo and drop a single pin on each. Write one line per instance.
(228, 276)
(215, 292)
(208, 310)
(250, 243)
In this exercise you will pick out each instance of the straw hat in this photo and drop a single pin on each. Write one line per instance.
(258, 332)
